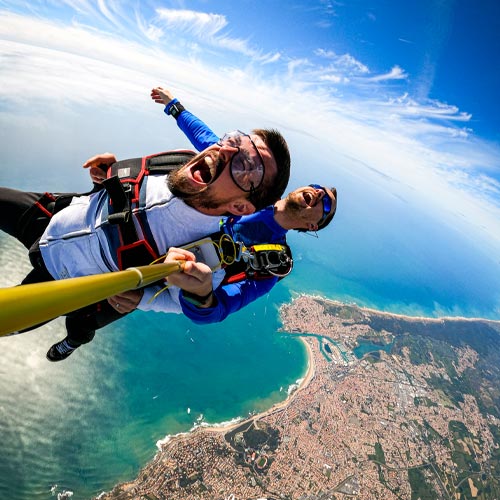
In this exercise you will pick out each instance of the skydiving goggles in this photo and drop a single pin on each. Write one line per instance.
(327, 203)
(246, 165)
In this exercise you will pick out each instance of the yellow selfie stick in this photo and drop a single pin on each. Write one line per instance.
(28, 305)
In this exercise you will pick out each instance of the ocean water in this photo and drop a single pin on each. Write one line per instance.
(94, 419)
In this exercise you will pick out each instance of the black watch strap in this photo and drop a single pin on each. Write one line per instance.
(197, 300)
(176, 109)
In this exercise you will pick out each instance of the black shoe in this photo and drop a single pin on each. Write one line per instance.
(60, 351)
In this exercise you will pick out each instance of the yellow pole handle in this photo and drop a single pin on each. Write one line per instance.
(29, 305)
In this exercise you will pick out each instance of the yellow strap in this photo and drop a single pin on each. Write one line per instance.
(268, 246)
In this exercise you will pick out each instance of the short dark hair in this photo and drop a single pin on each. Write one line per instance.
(272, 190)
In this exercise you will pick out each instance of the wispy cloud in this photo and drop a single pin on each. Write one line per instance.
(345, 62)
(396, 73)
(200, 24)
(296, 64)
(328, 7)
(439, 20)
(336, 79)
(344, 68)
(424, 144)
(207, 28)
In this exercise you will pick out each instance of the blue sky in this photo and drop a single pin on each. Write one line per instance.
(390, 101)
(393, 102)
(443, 50)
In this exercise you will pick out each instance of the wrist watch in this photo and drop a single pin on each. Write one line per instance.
(197, 300)
(176, 109)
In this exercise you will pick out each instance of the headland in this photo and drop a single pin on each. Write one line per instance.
(391, 407)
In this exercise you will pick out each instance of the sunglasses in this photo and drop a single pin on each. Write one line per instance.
(327, 203)
(246, 165)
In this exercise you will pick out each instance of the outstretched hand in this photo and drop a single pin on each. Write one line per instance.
(97, 166)
(161, 95)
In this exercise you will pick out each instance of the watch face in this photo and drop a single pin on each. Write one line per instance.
(176, 109)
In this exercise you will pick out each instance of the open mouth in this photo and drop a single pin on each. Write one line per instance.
(309, 199)
(204, 171)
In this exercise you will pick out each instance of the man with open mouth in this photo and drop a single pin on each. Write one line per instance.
(310, 208)
(71, 235)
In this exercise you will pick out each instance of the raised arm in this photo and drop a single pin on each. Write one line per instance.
(197, 131)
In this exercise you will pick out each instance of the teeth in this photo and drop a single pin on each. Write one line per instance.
(209, 161)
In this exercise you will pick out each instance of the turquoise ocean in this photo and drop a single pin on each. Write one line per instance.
(92, 421)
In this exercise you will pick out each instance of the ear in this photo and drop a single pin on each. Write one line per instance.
(312, 227)
(241, 206)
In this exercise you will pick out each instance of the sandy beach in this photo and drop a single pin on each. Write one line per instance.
(325, 436)
(170, 441)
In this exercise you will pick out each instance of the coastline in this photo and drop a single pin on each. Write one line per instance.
(169, 441)
(326, 433)
(224, 427)
(380, 312)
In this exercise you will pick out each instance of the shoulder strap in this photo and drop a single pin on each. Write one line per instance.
(123, 184)
(164, 163)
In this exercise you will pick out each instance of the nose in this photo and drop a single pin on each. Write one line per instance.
(226, 152)
(319, 193)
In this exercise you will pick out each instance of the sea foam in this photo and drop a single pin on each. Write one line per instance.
(199, 423)
(294, 387)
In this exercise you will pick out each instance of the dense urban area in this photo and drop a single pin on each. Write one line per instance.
(391, 407)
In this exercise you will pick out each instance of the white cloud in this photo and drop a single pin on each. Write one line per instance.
(352, 64)
(328, 7)
(271, 58)
(295, 64)
(201, 24)
(396, 73)
(153, 33)
(424, 145)
(323, 24)
(344, 61)
(333, 79)
(209, 29)
(371, 16)
(107, 12)
(80, 6)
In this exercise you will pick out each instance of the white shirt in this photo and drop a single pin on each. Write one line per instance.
(74, 243)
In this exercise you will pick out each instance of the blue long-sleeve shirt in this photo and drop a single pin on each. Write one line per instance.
(259, 227)
(197, 131)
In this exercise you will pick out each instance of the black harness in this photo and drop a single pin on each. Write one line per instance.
(123, 184)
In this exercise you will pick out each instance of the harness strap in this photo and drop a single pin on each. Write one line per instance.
(123, 186)
(35, 220)
(261, 261)
(121, 209)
